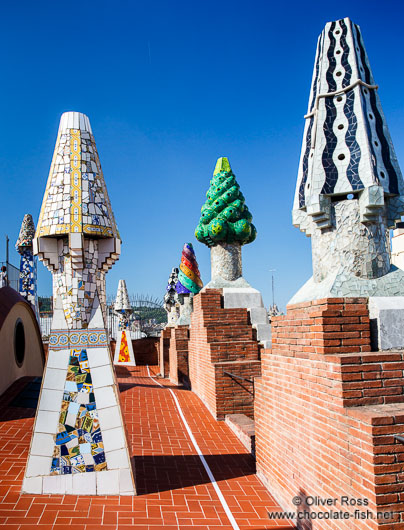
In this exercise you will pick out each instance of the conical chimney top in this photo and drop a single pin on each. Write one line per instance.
(222, 164)
(122, 298)
(347, 149)
(76, 198)
(27, 233)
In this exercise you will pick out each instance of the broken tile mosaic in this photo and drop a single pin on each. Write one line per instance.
(78, 443)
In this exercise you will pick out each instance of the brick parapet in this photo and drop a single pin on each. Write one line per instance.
(222, 340)
(327, 326)
(326, 418)
(164, 352)
(178, 355)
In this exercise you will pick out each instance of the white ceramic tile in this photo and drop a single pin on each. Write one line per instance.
(42, 444)
(55, 484)
(82, 123)
(46, 421)
(97, 318)
(126, 481)
(88, 459)
(32, 485)
(51, 400)
(38, 465)
(109, 418)
(98, 357)
(105, 397)
(113, 439)
(108, 482)
(83, 398)
(54, 379)
(102, 376)
(117, 459)
(85, 483)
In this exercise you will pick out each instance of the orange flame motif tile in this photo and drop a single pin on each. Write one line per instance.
(123, 309)
(124, 356)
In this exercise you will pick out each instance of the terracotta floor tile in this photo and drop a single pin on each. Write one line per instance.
(174, 491)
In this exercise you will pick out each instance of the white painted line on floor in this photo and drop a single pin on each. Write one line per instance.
(205, 464)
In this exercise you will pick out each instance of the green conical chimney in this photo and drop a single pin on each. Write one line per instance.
(224, 217)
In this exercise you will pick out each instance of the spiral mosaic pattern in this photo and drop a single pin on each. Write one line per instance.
(224, 216)
(189, 278)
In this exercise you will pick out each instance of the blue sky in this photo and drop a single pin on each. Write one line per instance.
(168, 88)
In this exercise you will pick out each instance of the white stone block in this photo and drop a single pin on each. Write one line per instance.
(54, 378)
(126, 485)
(47, 245)
(98, 357)
(263, 331)
(113, 439)
(259, 315)
(109, 418)
(387, 322)
(102, 376)
(46, 421)
(241, 297)
(58, 359)
(55, 484)
(42, 444)
(38, 465)
(117, 459)
(51, 400)
(105, 397)
(32, 485)
(108, 482)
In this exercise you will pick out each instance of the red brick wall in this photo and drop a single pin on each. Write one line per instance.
(146, 350)
(164, 351)
(330, 325)
(222, 340)
(324, 419)
(178, 353)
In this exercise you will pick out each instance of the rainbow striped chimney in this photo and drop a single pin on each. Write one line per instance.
(189, 283)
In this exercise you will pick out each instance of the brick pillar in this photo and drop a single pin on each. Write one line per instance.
(164, 352)
(178, 353)
(222, 340)
(326, 411)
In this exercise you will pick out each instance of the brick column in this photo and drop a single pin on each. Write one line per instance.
(222, 340)
(164, 352)
(326, 410)
(178, 353)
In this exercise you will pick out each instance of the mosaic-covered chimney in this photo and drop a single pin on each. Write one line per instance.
(77, 238)
(225, 225)
(28, 265)
(79, 443)
(122, 307)
(349, 189)
(189, 283)
(171, 304)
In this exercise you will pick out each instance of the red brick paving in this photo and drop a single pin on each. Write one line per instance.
(174, 491)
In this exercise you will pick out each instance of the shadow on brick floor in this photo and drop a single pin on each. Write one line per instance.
(169, 472)
(123, 387)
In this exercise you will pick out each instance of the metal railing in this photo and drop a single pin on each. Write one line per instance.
(45, 320)
(13, 275)
(235, 377)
